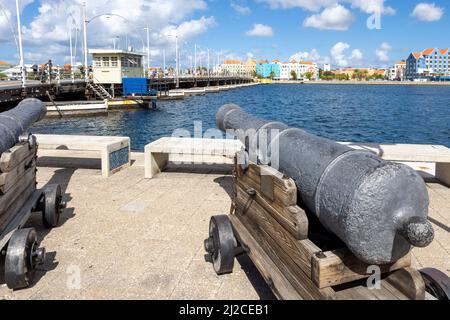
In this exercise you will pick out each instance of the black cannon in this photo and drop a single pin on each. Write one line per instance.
(19, 196)
(14, 123)
(377, 208)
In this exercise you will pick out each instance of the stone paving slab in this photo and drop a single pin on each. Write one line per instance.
(130, 238)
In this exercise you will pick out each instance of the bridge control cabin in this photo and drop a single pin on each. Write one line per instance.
(111, 66)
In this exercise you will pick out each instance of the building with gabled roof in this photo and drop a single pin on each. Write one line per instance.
(431, 63)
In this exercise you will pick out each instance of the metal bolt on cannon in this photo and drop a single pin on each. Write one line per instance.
(377, 208)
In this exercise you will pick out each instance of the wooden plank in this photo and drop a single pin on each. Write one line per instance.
(341, 266)
(362, 292)
(14, 193)
(293, 218)
(284, 189)
(282, 195)
(409, 282)
(280, 286)
(14, 156)
(395, 292)
(9, 179)
(19, 218)
(260, 218)
(295, 275)
(15, 207)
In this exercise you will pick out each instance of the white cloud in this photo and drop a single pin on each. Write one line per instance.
(260, 30)
(340, 57)
(311, 5)
(241, 9)
(367, 6)
(8, 18)
(383, 52)
(356, 55)
(372, 6)
(313, 56)
(427, 12)
(336, 17)
(189, 29)
(51, 25)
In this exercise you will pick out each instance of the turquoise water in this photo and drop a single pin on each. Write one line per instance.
(380, 114)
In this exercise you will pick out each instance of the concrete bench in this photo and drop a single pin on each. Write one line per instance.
(114, 151)
(411, 153)
(188, 150)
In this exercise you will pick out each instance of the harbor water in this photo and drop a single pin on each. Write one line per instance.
(357, 113)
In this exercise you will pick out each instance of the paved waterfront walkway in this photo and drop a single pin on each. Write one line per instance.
(131, 238)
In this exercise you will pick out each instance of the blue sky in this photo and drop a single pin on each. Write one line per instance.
(332, 31)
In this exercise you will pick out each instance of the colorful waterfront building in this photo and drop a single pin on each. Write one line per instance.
(431, 63)
(266, 69)
(233, 68)
(237, 68)
(300, 69)
(250, 67)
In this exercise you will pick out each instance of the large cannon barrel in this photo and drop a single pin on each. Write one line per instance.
(15, 122)
(377, 208)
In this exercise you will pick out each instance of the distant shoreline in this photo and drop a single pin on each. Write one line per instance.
(367, 83)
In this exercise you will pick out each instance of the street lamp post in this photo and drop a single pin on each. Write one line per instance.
(195, 60)
(71, 56)
(86, 22)
(86, 76)
(164, 62)
(22, 61)
(148, 47)
(177, 62)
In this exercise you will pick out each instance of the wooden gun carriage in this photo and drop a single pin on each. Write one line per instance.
(296, 256)
(19, 197)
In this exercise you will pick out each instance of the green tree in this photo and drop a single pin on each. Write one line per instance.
(3, 76)
(327, 75)
(294, 75)
(309, 75)
(272, 75)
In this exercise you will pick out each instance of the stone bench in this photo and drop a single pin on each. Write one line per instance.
(188, 150)
(411, 153)
(114, 151)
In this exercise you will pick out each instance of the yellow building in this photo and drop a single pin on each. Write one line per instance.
(111, 66)
(250, 67)
(369, 72)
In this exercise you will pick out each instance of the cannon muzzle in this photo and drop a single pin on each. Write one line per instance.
(377, 208)
(15, 122)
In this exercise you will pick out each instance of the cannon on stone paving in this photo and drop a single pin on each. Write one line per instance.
(19, 196)
(317, 217)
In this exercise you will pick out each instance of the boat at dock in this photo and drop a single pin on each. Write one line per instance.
(195, 92)
(212, 89)
(76, 108)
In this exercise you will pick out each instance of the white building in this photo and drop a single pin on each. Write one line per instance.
(111, 66)
(233, 68)
(15, 73)
(327, 67)
(397, 72)
(300, 68)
